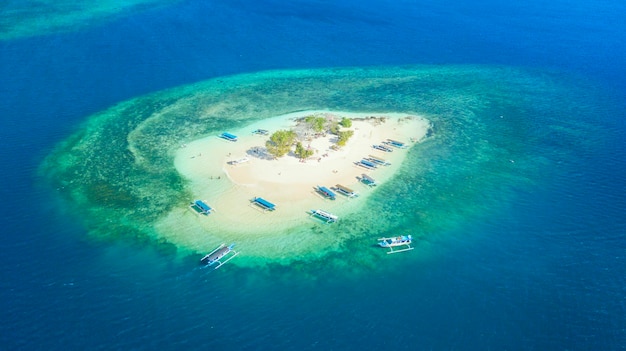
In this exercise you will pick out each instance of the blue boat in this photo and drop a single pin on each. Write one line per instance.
(395, 143)
(264, 204)
(368, 164)
(202, 208)
(378, 160)
(382, 148)
(367, 180)
(327, 193)
(228, 136)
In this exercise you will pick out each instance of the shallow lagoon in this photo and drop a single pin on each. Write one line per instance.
(490, 126)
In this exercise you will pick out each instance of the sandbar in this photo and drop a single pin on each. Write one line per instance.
(214, 175)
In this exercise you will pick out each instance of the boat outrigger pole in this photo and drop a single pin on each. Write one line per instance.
(396, 241)
(215, 256)
(392, 251)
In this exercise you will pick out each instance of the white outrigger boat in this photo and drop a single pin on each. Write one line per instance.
(325, 216)
(382, 148)
(215, 256)
(238, 161)
(396, 241)
(367, 180)
(344, 190)
(378, 160)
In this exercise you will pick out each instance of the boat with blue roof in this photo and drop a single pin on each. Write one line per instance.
(202, 207)
(264, 204)
(325, 192)
(382, 148)
(228, 136)
(378, 160)
(396, 144)
(365, 163)
(367, 180)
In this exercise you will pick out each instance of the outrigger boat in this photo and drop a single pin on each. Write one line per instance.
(228, 136)
(325, 192)
(368, 164)
(238, 161)
(345, 191)
(382, 148)
(215, 256)
(395, 143)
(378, 160)
(325, 216)
(367, 180)
(264, 204)
(201, 207)
(396, 241)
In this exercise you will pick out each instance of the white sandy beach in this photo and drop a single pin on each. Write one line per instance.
(288, 182)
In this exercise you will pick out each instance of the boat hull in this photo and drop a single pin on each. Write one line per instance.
(395, 241)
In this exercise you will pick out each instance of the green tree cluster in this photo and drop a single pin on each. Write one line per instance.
(303, 152)
(316, 123)
(346, 122)
(334, 128)
(280, 142)
(343, 137)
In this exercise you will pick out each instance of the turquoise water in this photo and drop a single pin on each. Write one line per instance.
(27, 18)
(483, 148)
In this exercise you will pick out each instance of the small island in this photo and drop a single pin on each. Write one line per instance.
(284, 160)
(136, 169)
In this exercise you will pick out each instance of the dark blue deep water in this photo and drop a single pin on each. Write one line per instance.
(549, 273)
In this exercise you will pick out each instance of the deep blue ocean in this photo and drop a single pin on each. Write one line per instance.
(549, 273)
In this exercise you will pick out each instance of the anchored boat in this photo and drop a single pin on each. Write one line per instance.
(238, 161)
(215, 256)
(325, 216)
(264, 204)
(344, 190)
(378, 160)
(228, 136)
(367, 180)
(325, 192)
(201, 207)
(365, 163)
(382, 148)
(396, 242)
(396, 144)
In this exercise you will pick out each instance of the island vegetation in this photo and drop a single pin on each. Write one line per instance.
(281, 142)
(302, 152)
(343, 137)
(316, 123)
